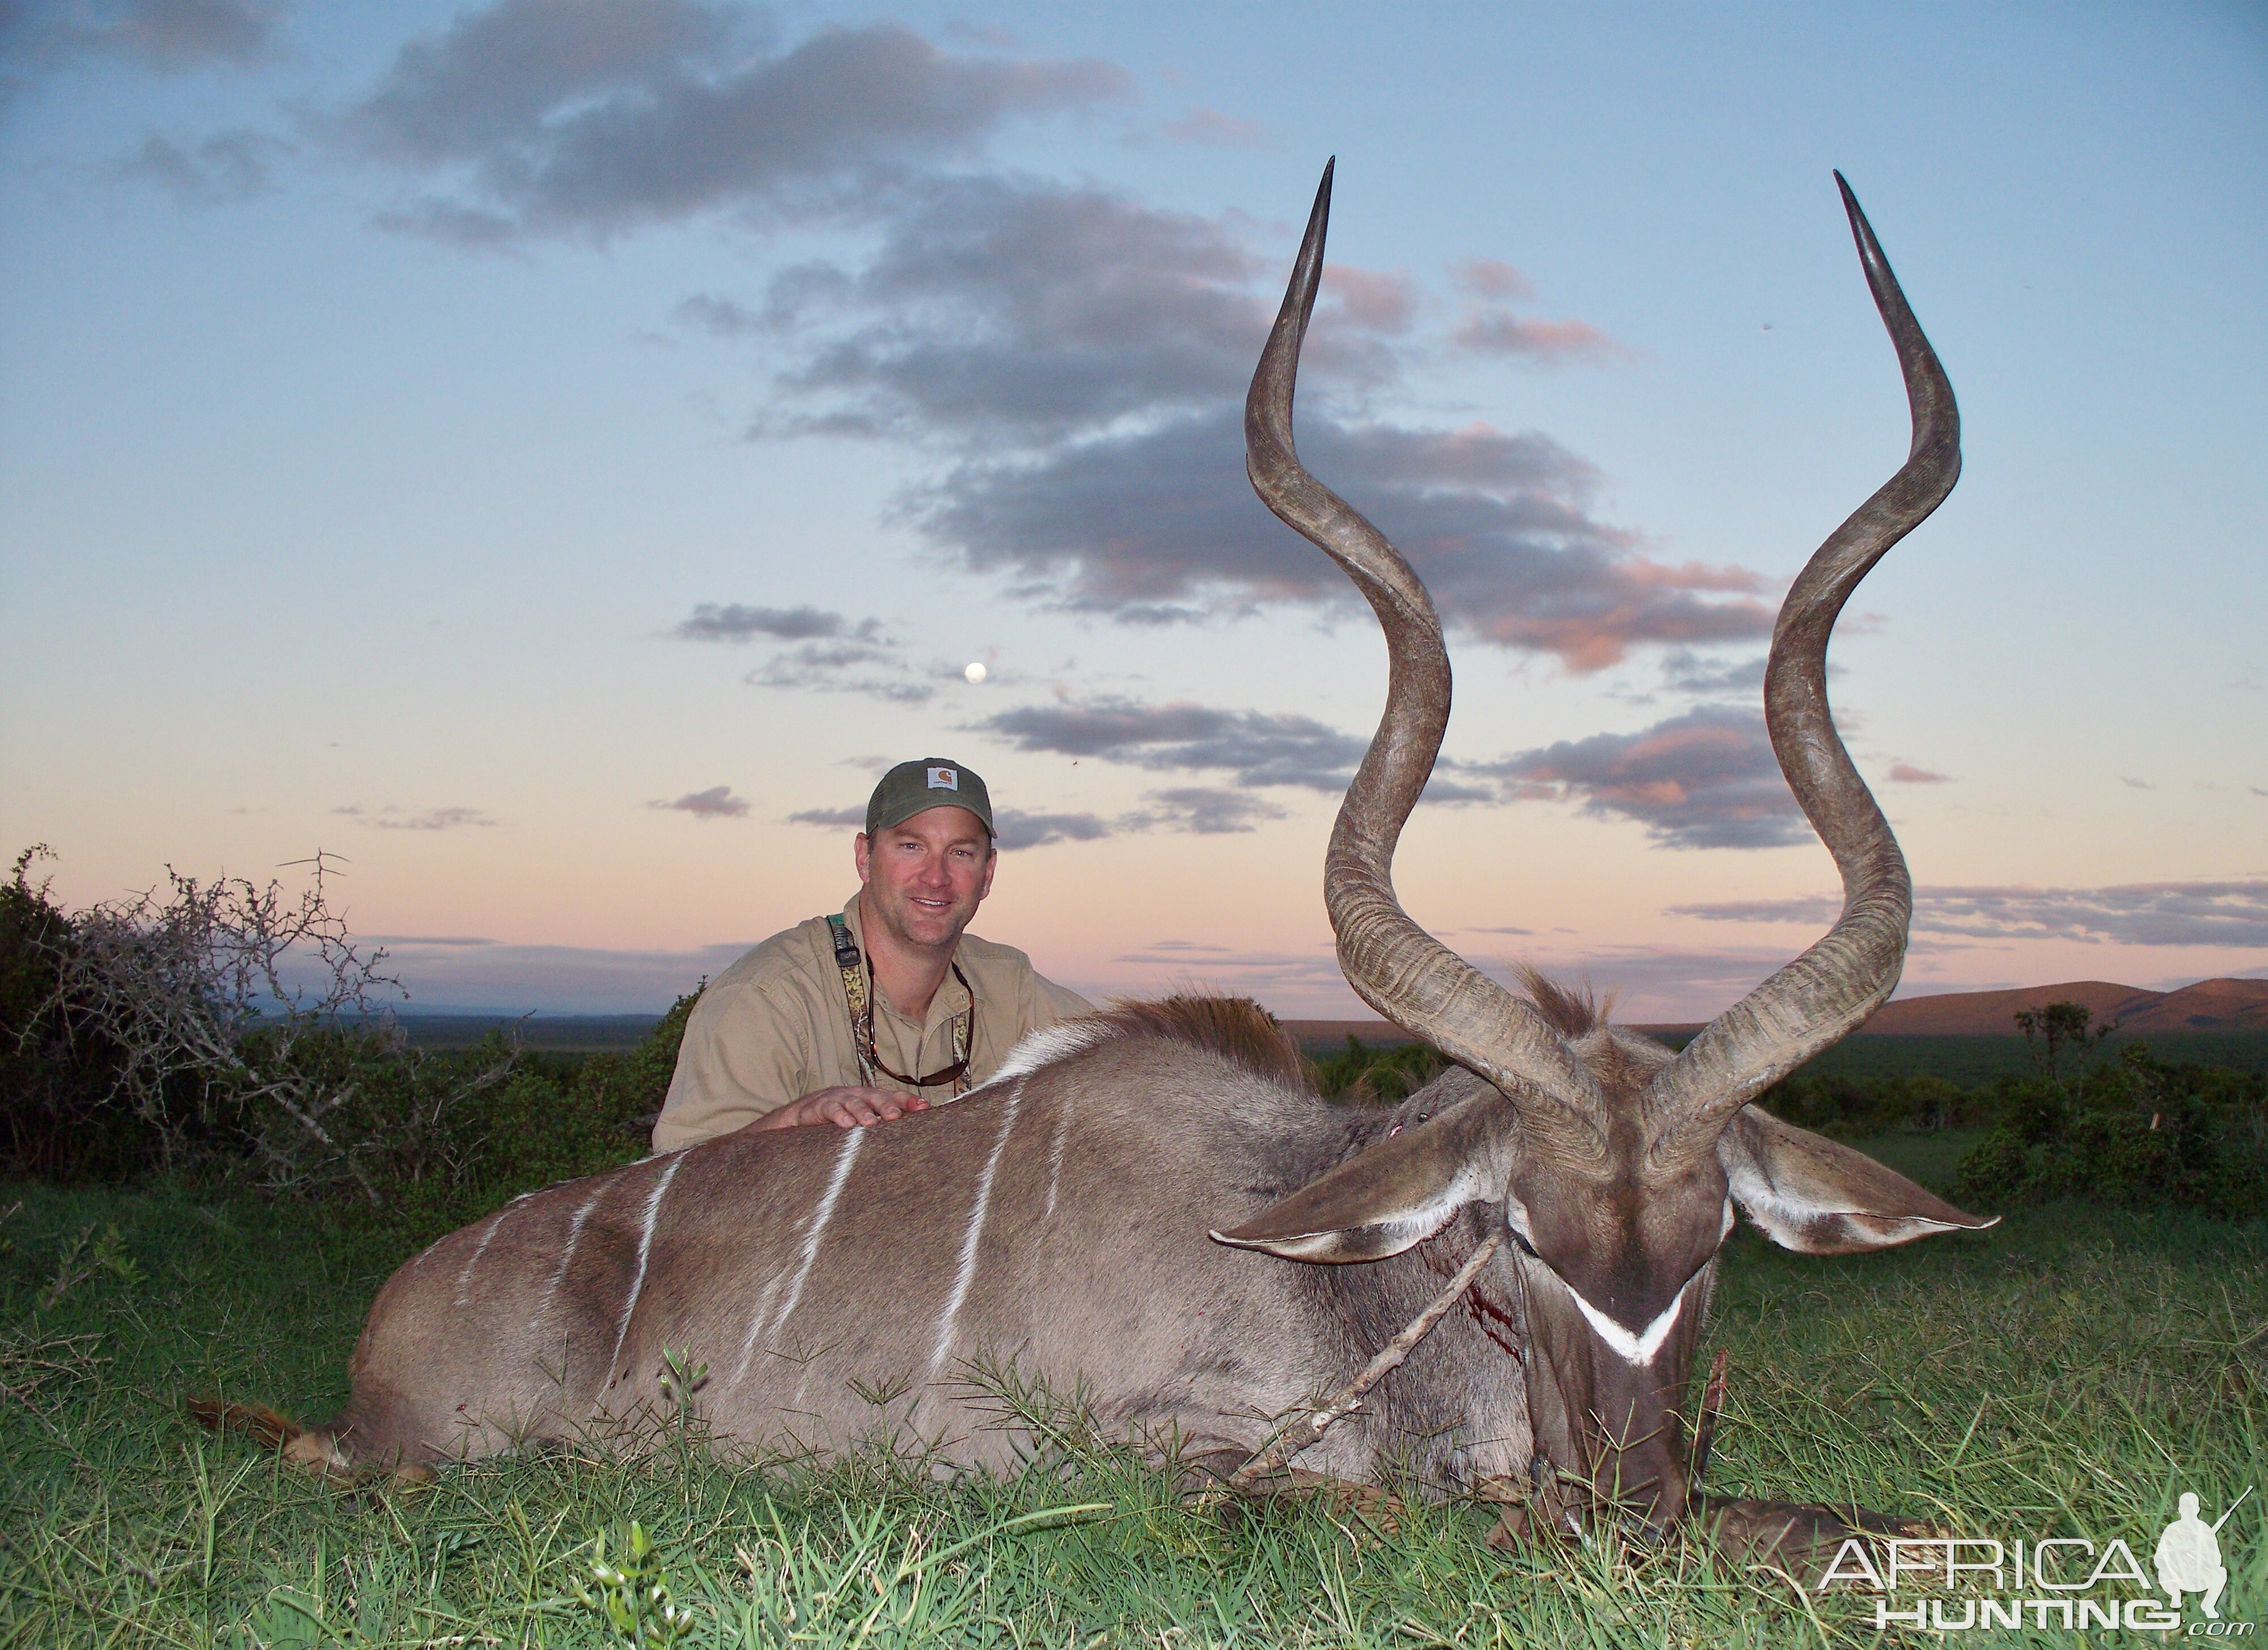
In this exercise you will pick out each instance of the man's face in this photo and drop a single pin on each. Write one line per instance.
(925, 877)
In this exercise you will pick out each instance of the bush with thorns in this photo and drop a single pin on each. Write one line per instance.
(219, 1019)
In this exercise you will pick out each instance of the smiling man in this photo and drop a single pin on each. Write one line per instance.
(887, 1009)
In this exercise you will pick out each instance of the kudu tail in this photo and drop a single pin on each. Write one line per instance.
(315, 1450)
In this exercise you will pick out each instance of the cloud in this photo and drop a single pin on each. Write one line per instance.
(1492, 280)
(1015, 828)
(2133, 783)
(1258, 748)
(1811, 910)
(393, 818)
(1019, 830)
(590, 119)
(1199, 809)
(1075, 357)
(1685, 671)
(876, 669)
(1550, 342)
(227, 167)
(1495, 524)
(1705, 779)
(717, 802)
(166, 36)
(2132, 914)
(1488, 327)
(1018, 309)
(833, 654)
(1203, 810)
(732, 622)
(718, 316)
(1906, 773)
(1382, 300)
(1211, 127)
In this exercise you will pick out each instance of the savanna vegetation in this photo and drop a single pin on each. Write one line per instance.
(174, 1226)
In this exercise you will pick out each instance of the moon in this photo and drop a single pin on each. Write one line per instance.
(974, 672)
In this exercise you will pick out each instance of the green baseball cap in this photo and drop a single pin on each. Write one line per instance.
(914, 787)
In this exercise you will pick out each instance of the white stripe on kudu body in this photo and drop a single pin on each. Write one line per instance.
(567, 1255)
(821, 1214)
(645, 1248)
(1056, 1151)
(464, 1276)
(975, 1232)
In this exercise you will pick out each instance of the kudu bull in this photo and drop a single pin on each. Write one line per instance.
(1147, 1208)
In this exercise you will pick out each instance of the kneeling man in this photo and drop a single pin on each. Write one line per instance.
(862, 1017)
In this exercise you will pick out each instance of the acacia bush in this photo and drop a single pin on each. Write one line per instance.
(227, 1032)
(2134, 1132)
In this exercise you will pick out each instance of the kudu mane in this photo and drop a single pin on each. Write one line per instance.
(1236, 1029)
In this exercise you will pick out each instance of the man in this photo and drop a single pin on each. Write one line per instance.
(884, 1010)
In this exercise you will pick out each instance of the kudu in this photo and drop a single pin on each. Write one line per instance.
(1146, 1208)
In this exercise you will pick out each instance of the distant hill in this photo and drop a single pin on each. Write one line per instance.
(2209, 1005)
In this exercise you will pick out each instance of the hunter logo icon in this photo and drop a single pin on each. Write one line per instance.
(943, 778)
(2189, 1556)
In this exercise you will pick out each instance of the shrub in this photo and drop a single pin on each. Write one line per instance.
(56, 1074)
(2136, 1133)
(1382, 1076)
(540, 1125)
(229, 1031)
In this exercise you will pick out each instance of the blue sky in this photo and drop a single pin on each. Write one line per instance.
(549, 454)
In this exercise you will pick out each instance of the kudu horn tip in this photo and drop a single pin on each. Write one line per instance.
(1308, 272)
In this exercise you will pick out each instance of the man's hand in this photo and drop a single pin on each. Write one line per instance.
(846, 1108)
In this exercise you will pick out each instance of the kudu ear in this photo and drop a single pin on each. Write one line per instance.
(1810, 1195)
(1396, 1193)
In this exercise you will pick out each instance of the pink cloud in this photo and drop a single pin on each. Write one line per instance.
(1490, 278)
(1383, 300)
(1498, 333)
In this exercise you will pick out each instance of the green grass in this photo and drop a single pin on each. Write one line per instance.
(2069, 1373)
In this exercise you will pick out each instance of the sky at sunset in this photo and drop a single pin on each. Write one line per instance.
(551, 456)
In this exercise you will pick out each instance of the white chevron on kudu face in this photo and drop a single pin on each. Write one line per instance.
(1640, 1349)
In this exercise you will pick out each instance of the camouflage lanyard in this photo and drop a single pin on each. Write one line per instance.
(860, 1000)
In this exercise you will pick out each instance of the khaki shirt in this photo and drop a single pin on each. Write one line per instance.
(774, 1028)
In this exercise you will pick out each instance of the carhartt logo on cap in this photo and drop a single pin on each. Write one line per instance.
(943, 778)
